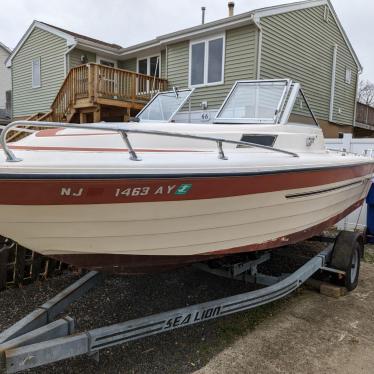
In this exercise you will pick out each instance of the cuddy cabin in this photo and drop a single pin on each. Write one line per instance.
(268, 113)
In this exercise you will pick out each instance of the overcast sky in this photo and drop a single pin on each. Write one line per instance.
(127, 22)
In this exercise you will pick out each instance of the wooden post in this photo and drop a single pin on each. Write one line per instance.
(50, 267)
(82, 117)
(97, 115)
(133, 87)
(91, 83)
(127, 115)
(95, 80)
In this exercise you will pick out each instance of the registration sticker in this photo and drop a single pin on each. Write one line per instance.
(183, 189)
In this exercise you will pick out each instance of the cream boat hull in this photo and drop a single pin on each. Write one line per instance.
(76, 198)
(128, 234)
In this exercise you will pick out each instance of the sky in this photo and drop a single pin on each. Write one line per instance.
(126, 22)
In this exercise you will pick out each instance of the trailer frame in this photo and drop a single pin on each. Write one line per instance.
(39, 338)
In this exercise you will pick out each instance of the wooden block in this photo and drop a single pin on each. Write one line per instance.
(19, 265)
(3, 268)
(331, 290)
(36, 266)
(313, 283)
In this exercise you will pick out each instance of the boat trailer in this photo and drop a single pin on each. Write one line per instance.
(44, 337)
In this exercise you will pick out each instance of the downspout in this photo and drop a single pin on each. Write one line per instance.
(166, 62)
(66, 67)
(256, 21)
(359, 72)
(333, 81)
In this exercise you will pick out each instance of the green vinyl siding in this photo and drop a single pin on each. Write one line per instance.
(177, 64)
(75, 57)
(50, 49)
(128, 64)
(240, 63)
(300, 45)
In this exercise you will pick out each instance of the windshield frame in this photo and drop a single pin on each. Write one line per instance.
(174, 91)
(267, 121)
(295, 90)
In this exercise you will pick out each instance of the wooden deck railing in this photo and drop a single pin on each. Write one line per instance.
(365, 114)
(94, 82)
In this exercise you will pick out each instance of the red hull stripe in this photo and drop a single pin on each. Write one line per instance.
(137, 264)
(133, 190)
(49, 133)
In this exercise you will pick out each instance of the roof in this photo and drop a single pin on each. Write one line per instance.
(80, 36)
(71, 38)
(251, 17)
(3, 46)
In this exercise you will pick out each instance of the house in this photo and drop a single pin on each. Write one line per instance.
(5, 85)
(304, 41)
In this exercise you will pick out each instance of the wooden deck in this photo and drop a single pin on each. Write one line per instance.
(92, 93)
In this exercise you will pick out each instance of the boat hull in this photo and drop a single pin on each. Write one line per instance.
(137, 264)
(136, 225)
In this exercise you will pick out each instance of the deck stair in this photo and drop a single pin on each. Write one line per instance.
(93, 92)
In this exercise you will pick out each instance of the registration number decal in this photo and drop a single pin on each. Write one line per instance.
(157, 190)
(178, 190)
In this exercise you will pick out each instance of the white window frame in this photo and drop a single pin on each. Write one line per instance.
(206, 61)
(148, 58)
(348, 75)
(33, 84)
(99, 58)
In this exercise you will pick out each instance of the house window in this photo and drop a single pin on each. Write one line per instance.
(36, 74)
(107, 63)
(207, 62)
(348, 76)
(149, 66)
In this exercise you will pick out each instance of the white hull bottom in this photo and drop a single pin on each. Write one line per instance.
(179, 228)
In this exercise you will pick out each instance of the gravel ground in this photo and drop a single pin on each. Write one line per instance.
(123, 298)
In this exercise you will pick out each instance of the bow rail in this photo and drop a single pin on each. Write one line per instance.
(124, 130)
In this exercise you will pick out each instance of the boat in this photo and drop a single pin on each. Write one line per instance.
(163, 191)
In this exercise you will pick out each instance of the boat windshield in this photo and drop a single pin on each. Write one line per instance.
(254, 102)
(164, 106)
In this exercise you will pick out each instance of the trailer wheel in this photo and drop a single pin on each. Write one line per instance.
(346, 256)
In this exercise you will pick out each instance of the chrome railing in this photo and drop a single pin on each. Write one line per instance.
(124, 130)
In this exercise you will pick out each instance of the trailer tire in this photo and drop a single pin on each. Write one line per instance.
(346, 256)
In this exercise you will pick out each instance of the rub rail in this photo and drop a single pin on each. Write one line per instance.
(124, 130)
